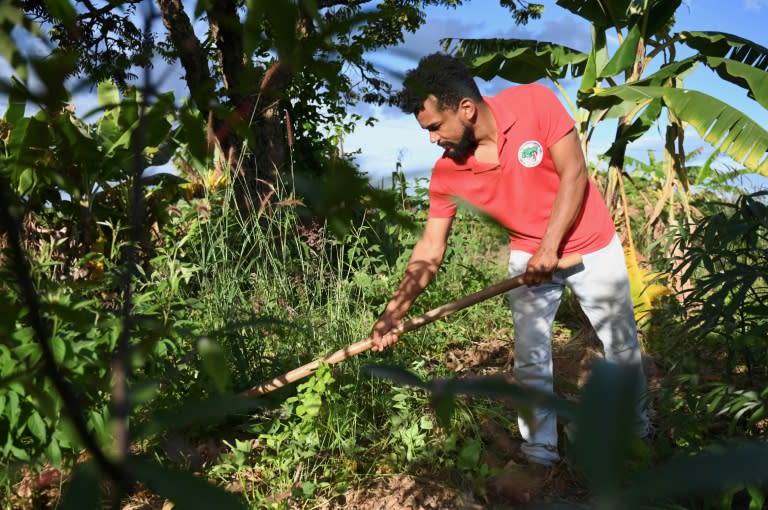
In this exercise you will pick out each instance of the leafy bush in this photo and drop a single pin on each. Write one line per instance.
(723, 258)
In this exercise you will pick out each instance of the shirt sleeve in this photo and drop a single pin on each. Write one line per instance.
(441, 203)
(555, 121)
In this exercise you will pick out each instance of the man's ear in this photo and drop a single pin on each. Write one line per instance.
(467, 108)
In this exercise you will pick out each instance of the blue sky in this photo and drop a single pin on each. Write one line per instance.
(397, 137)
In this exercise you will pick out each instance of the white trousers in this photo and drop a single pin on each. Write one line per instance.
(602, 289)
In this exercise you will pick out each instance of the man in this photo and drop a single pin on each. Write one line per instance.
(517, 157)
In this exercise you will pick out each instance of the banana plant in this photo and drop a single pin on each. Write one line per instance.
(640, 84)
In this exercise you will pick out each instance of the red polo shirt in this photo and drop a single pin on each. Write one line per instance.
(519, 192)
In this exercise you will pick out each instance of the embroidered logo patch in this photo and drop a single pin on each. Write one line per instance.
(530, 154)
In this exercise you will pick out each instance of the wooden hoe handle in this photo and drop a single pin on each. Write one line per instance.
(356, 348)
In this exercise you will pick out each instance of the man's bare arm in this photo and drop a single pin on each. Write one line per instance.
(425, 261)
(572, 168)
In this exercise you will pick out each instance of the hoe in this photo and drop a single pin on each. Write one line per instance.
(356, 348)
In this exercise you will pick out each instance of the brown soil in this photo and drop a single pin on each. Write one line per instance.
(404, 492)
(36, 490)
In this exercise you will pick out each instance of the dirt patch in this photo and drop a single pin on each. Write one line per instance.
(486, 357)
(144, 499)
(36, 489)
(405, 492)
(573, 355)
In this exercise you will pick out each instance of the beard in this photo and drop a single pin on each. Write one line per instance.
(460, 150)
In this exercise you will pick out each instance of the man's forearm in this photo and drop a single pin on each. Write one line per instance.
(422, 268)
(425, 260)
(572, 169)
(568, 203)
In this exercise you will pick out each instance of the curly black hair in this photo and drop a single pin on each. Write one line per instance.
(445, 77)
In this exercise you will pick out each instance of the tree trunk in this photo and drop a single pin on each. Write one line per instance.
(254, 171)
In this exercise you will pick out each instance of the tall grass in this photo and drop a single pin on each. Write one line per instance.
(278, 288)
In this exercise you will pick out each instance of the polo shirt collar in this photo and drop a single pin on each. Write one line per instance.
(505, 119)
(469, 165)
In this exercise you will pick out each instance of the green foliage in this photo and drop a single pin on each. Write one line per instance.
(746, 144)
(31, 423)
(68, 177)
(316, 293)
(724, 254)
(80, 279)
(601, 447)
(298, 432)
(716, 365)
(700, 408)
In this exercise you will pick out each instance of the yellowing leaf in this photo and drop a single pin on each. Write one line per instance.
(644, 287)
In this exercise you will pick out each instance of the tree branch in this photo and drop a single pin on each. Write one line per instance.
(324, 4)
(193, 58)
(95, 12)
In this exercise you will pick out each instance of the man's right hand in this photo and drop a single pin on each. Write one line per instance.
(382, 333)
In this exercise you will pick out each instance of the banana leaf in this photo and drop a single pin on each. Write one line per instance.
(645, 121)
(727, 129)
(517, 60)
(721, 44)
(624, 57)
(598, 57)
(745, 76)
(623, 13)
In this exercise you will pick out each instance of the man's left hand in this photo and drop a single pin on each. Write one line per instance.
(540, 268)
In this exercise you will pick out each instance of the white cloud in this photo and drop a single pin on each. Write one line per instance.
(755, 5)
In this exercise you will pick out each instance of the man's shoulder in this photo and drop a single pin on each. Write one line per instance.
(522, 91)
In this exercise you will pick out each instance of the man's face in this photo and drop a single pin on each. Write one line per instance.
(449, 129)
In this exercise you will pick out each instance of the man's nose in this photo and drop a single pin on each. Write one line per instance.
(433, 137)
